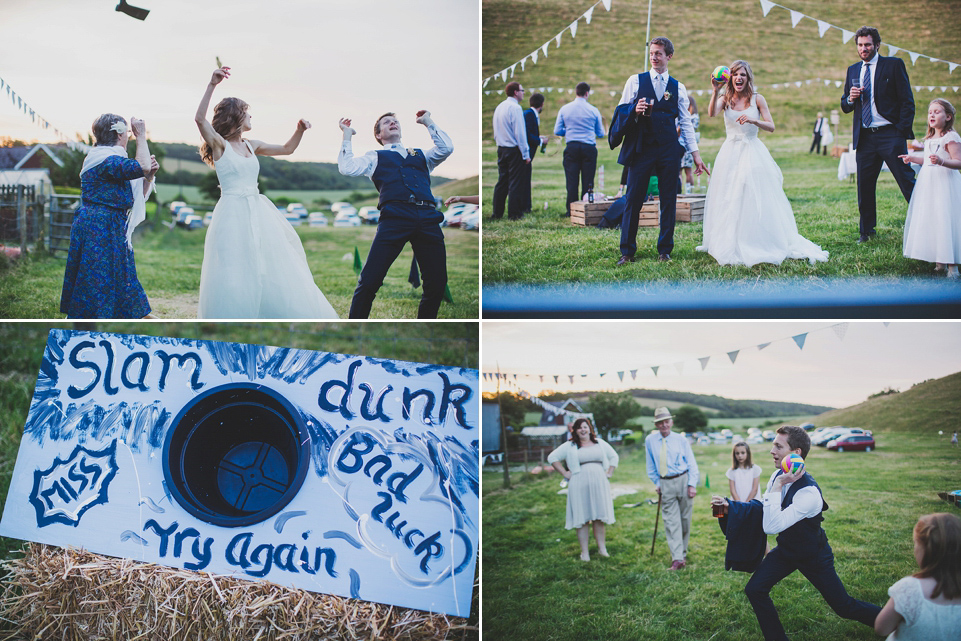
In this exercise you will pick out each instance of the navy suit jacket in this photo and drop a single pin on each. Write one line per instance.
(746, 540)
(892, 96)
(533, 131)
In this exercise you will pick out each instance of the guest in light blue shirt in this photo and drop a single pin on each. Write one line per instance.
(580, 124)
(675, 476)
(513, 153)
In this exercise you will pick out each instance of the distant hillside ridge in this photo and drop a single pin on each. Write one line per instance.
(719, 406)
(929, 406)
(279, 173)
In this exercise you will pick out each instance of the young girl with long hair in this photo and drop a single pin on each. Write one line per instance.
(932, 230)
(744, 475)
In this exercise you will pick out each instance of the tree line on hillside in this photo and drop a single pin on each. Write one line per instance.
(721, 407)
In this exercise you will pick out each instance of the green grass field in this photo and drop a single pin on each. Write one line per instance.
(169, 261)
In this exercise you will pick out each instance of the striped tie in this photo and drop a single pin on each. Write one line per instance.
(866, 97)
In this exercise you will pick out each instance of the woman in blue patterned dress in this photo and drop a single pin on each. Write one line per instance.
(100, 280)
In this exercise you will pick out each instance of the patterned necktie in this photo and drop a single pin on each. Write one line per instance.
(866, 97)
(662, 463)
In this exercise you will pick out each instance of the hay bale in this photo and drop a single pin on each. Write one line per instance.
(74, 595)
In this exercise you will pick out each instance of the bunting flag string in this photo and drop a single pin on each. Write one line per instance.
(22, 105)
(839, 330)
(823, 26)
(572, 27)
(550, 407)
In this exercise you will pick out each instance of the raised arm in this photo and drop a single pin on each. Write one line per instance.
(712, 107)
(207, 132)
(142, 155)
(347, 164)
(443, 147)
(266, 149)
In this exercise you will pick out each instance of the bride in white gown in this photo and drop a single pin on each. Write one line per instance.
(254, 263)
(747, 218)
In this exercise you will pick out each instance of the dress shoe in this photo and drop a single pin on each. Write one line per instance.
(863, 239)
(623, 260)
(677, 565)
(664, 258)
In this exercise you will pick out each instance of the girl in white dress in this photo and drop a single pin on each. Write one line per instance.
(927, 605)
(744, 475)
(932, 230)
(747, 217)
(590, 463)
(254, 263)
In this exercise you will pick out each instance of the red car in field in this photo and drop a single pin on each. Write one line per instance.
(852, 442)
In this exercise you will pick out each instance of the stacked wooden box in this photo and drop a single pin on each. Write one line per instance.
(689, 209)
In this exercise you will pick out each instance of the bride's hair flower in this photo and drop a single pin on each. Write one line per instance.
(120, 127)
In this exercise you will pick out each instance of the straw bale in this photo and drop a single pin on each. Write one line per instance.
(74, 595)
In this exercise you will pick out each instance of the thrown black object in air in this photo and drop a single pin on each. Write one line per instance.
(133, 12)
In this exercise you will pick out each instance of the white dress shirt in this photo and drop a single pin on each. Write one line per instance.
(509, 127)
(877, 120)
(807, 503)
(365, 165)
(688, 139)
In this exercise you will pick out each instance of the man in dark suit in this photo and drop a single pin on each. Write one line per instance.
(818, 124)
(878, 91)
(532, 122)
(650, 146)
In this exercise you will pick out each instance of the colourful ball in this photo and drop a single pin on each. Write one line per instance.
(792, 463)
(721, 73)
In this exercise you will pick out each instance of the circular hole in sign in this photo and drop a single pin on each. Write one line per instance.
(236, 455)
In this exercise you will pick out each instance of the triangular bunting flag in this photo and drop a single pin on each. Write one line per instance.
(523, 62)
(679, 367)
(555, 378)
(930, 88)
(917, 87)
(799, 339)
(571, 376)
(766, 6)
(955, 89)
(837, 83)
(620, 375)
(583, 375)
(603, 374)
(775, 86)
(943, 88)
(846, 35)
(762, 346)
(914, 56)
(655, 368)
(797, 84)
(504, 75)
(589, 14)
(541, 377)
(700, 92)
(573, 29)
(795, 17)
(515, 377)
(607, 4)
(544, 48)
(952, 66)
(826, 82)
(513, 66)
(733, 355)
(823, 28)
(840, 330)
(613, 93)
(633, 374)
(534, 56)
(487, 93)
(558, 39)
(704, 362)
(892, 50)
(886, 323)
(485, 83)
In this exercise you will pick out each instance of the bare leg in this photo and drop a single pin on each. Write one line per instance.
(600, 535)
(582, 538)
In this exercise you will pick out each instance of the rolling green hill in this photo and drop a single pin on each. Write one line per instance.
(707, 33)
(715, 406)
(927, 407)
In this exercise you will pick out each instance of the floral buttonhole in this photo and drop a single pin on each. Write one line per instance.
(667, 95)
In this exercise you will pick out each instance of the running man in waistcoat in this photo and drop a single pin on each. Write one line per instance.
(793, 507)
(408, 210)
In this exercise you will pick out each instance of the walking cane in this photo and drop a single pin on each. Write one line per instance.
(655, 523)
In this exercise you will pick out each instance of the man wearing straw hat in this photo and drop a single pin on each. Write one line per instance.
(673, 470)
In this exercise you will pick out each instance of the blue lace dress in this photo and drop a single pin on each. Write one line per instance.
(100, 280)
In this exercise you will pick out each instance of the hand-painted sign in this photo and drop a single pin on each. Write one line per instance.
(340, 474)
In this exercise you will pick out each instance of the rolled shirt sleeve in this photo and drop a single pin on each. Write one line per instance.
(443, 147)
(807, 503)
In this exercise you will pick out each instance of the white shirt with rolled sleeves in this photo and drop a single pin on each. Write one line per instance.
(509, 127)
(365, 165)
(807, 503)
(688, 138)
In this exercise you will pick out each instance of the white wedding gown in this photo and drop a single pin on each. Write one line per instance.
(747, 218)
(254, 263)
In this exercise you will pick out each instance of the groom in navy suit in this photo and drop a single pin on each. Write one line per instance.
(650, 105)
(878, 91)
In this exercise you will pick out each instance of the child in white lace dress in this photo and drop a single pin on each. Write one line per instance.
(927, 604)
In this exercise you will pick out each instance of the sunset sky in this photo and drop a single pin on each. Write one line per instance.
(839, 365)
(72, 60)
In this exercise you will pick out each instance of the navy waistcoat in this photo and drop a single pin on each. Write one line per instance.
(804, 538)
(402, 179)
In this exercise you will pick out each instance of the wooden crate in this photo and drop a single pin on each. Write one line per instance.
(689, 209)
(589, 214)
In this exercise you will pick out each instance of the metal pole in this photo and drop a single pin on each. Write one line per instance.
(500, 407)
(647, 38)
(22, 217)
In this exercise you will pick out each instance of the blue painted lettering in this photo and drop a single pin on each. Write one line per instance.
(259, 561)
(181, 359)
(347, 386)
(144, 362)
(75, 361)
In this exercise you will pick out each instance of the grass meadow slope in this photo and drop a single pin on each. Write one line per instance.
(534, 586)
(545, 248)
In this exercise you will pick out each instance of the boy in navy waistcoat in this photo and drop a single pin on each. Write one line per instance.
(408, 210)
(792, 508)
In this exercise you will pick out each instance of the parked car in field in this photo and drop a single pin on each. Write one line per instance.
(754, 439)
(193, 221)
(370, 215)
(336, 207)
(297, 208)
(850, 442)
(703, 440)
(317, 219)
(768, 435)
(209, 216)
(175, 205)
(347, 218)
(182, 214)
(293, 217)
